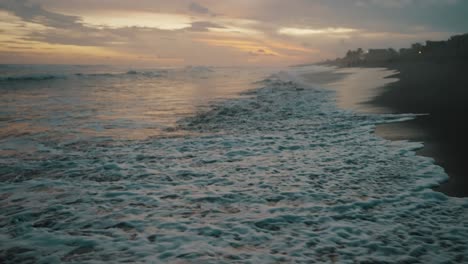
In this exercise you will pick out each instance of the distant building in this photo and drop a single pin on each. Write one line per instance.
(435, 49)
(431, 45)
(456, 48)
(380, 55)
(458, 45)
(413, 53)
(405, 52)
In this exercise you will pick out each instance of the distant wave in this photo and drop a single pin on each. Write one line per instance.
(193, 71)
(198, 69)
(94, 74)
(46, 77)
(130, 72)
(147, 73)
(32, 77)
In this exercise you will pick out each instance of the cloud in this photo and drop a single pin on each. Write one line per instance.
(32, 12)
(202, 26)
(240, 31)
(403, 3)
(257, 53)
(197, 8)
(318, 31)
(121, 19)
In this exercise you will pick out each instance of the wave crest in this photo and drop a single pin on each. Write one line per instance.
(33, 77)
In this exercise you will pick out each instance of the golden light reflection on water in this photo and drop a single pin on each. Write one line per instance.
(124, 106)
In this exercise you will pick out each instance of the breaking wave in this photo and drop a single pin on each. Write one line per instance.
(48, 77)
(33, 77)
(279, 175)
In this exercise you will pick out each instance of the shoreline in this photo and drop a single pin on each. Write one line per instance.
(437, 89)
(397, 89)
(416, 130)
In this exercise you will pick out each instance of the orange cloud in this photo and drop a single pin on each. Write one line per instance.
(243, 45)
(317, 31)
(273, 48)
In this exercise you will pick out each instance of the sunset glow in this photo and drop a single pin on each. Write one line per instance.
(306, 31)
(233, 131)
(207, 32)
(138, 19)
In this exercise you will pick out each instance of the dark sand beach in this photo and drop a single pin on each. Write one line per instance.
(439, 89)
(432, 81)
(436, 90)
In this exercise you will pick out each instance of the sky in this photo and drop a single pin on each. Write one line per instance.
(216, 32)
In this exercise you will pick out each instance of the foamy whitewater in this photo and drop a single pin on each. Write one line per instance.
(209, 165)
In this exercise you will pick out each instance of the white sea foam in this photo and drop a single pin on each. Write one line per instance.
(279, 175)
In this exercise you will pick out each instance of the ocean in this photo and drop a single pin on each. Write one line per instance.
(210, 165)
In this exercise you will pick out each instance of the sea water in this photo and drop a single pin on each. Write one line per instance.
(209, 165)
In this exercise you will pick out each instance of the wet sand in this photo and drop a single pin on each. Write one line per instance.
(359, 85)
(354, 87)
(434, 89)
(439, 89)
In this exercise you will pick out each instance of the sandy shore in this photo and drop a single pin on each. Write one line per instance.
(439, 90)
(355, 87)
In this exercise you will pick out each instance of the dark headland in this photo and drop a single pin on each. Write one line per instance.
(433, 80)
